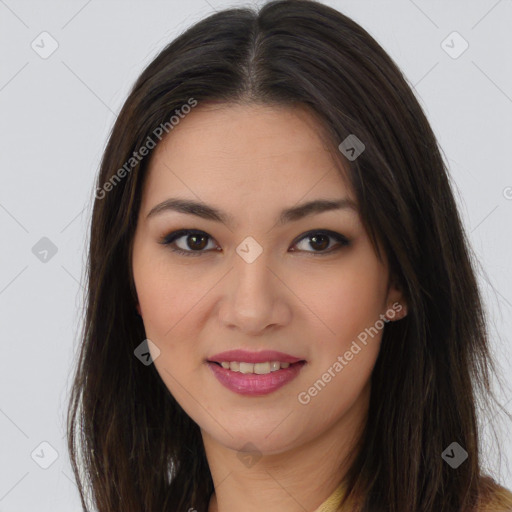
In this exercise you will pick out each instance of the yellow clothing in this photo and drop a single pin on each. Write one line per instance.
(332, 503)
(495, 498)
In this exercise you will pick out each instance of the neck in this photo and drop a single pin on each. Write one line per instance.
(296, 479)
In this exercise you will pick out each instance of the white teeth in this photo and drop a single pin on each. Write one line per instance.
(262, 368)
(257, 368)
(246, 368)
(274, 366)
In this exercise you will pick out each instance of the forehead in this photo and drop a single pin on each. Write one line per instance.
(235, 126)
(279, 152)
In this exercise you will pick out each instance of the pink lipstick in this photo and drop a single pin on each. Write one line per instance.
(254, 373)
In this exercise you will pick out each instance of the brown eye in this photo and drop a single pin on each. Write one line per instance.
(319, 241)
(194, 243)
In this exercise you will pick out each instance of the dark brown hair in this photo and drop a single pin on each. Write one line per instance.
(131, 444)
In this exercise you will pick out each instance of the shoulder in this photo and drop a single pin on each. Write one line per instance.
(494, 497)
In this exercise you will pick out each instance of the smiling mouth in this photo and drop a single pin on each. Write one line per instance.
(263, 368)
(255, 379)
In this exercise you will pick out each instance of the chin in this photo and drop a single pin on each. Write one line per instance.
(250, 439)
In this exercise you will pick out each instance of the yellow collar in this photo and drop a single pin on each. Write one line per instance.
(332, 503)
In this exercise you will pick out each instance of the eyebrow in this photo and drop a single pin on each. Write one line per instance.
(294, 213)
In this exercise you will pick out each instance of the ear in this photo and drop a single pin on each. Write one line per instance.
(396, 302)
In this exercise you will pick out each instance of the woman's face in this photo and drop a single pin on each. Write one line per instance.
(306, 284)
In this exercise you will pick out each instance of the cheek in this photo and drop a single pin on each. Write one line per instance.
(346, 351)
(347, 300)
(166, 296)
(345, 356)
(167, 307)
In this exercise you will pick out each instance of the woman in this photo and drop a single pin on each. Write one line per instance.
(282, 308)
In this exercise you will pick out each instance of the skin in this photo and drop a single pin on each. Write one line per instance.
(252, 161)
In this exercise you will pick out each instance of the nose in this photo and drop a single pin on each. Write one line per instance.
(254, 300)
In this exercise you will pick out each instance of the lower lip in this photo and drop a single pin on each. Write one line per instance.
(253, 384)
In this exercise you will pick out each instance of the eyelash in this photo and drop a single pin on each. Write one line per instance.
(176, 235)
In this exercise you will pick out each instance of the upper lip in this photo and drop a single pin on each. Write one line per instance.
(254, 357)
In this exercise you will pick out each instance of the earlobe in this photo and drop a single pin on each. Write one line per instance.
(398, 311)
(397, 305)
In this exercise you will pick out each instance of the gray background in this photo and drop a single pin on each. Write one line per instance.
(56, 114)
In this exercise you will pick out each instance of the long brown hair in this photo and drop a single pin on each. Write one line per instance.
(131, 444)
